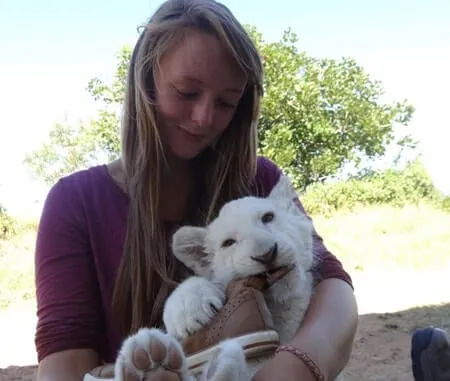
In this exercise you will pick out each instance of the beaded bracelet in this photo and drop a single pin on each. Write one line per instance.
(310, 364)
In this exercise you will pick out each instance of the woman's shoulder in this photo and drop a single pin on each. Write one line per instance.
(267, 176)
(83, 177)
(90, 187)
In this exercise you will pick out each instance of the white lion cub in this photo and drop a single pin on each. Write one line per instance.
(250, 235)
(236, 244)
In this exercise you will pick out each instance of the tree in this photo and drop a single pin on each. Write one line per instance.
(7, 224)
(318, 114)
(70, 148)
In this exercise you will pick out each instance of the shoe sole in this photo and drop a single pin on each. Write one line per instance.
(254, 344)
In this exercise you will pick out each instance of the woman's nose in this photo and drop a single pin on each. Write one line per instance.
(203, 113)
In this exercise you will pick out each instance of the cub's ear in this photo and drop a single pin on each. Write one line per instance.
(188, 245)
(284, 192)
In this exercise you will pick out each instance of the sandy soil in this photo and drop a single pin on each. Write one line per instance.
(388, 314)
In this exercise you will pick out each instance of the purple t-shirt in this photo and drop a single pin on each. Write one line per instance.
(78, 250)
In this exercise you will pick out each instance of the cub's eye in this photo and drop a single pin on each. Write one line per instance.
(228, 242)
(267, 217)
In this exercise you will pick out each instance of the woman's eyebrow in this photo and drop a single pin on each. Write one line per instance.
(190, 78)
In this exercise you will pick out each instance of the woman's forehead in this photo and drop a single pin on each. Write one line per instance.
(202, 58)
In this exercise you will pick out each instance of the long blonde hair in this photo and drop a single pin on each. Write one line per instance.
(148, 271)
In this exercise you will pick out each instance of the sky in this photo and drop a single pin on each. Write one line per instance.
(51, 48)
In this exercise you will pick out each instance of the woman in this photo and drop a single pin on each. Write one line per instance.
(103, 266)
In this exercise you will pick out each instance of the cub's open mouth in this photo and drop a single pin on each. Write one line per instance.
(274, 275)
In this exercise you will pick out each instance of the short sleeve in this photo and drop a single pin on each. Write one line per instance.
(328, 265)
(68, 299)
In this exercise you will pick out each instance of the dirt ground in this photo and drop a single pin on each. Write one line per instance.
(381, 348)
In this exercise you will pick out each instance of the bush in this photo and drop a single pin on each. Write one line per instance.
(7, 225)
(392, 187)
(444, 203)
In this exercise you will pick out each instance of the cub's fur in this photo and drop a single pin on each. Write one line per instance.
(229, 248)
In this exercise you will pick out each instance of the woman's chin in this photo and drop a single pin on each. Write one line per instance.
(187, 153)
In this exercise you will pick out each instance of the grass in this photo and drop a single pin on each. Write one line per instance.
(413, 238)
(17, 269)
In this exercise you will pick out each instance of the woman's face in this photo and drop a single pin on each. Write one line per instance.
(198, 87)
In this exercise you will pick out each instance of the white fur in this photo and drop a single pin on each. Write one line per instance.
(241, 226)
(142, 340)
(241, 221)
(229, 364)
(223, 251)
(190, 306)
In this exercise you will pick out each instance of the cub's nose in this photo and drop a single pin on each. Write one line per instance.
(269, 257)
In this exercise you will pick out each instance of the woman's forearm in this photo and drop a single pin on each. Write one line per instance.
(67, 365)
(329, 326)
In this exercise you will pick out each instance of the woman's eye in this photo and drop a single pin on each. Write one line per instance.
(228, 242)
(226, 104)
(186, 94)
(267, 217)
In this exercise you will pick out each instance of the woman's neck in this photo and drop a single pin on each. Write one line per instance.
(176, 186)
(176, 167)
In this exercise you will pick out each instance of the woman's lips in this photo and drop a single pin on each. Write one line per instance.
(190, 136)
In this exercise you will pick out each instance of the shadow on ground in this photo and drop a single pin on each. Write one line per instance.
(381, 351)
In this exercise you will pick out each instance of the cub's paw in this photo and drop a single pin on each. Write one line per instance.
(151, 351)
(227, 365)
(191, 305)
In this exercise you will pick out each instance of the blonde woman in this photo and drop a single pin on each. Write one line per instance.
(103, 265)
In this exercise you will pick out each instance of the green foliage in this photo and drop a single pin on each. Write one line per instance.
(393, 187)
(70, 148)
(317, 115)
(17, 268)
(444, 203)
(8, 226)
(114, 93)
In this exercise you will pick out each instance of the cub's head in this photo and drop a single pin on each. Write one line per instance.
(250, 235)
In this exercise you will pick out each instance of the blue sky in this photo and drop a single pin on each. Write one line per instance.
(51, 48)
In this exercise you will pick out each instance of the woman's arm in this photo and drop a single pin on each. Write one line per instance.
(326, 334)
(70, 326)
(328, 329)
(329, 326)
(69, 365)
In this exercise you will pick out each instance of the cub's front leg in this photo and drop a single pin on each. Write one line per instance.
(191, 305)
(228, 364)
